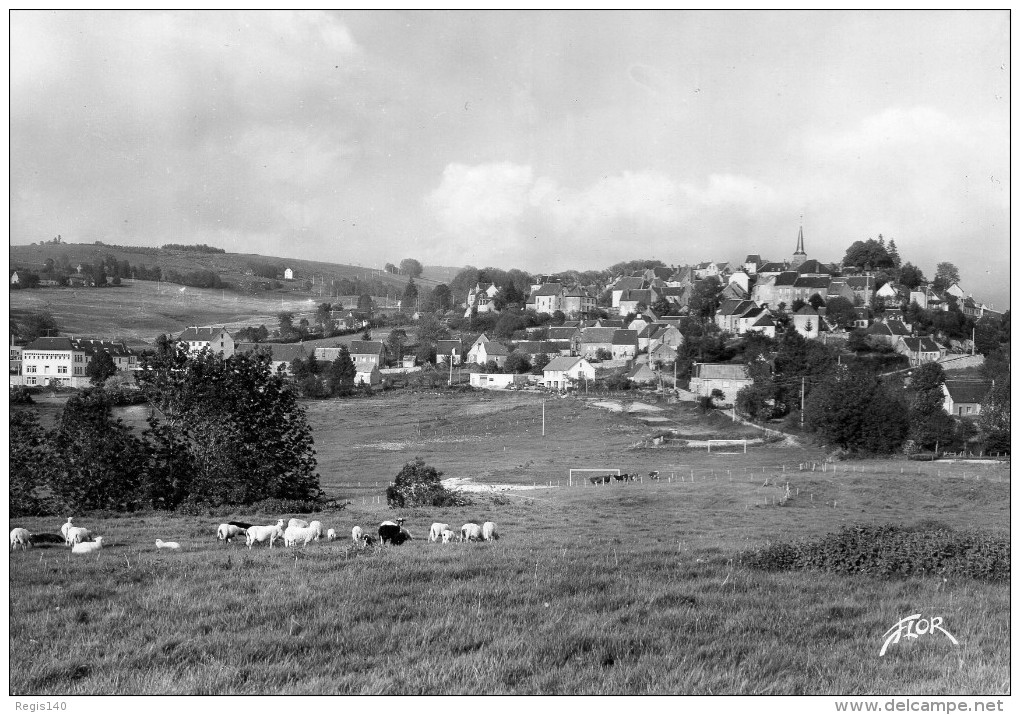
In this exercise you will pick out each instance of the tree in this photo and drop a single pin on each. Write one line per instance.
(538, 366)
(395, 344)
(31, 462)
(894, 255)
(365, 303)
(419, 484)
(911, 276)
(840, 311)
(286, 324)
(440, 299)
(853, 410)
(816, 301)
(324, 319)
(341, 374)
(994, 420)
(430, 330)
(410, 297)
(243, 433)
(411, 267)
(870, 253)
(517, 363)
(797, 304)
(930, 426)
(100, 367)
(946, 274)
(705, 298)
(39, 325)
(390, 268)
(101, 461)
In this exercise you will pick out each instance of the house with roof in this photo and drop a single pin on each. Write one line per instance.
(48, 360)
(548, 298)
(594, 340)
(963, 398)
(862, 317)
(636, 301)
(643, 374)
(367, 354)
(728, 378)
(562, 372)
(447, 350)
(759, 320)
(14, 363)
(578, 301)
(752, 263)
(216, 339)
(531, 349)
(624, 284)
(288, 274)
(892, 292)
(662, 354)
(919, 350)
(729, 312)
(85, 349)
(567, 339)
(284, 354)
(625, 345)
(482, 353)
(886, 333)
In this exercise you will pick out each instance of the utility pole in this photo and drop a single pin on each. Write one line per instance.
(452, 351)
(802, 403)
(543, 418)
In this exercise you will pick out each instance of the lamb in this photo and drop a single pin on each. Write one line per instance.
(470, 532)
(294, 534)
(20, 537)
(77, 535)
(331, 535)
(228, 531)
(88, 547)
(260, 534)
(297, 524)
(436, 532)
(172, 545)
(447, 536)
(358, 536)
(489, 532)
(64, 527)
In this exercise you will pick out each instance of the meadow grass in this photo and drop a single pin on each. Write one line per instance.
(629, 588)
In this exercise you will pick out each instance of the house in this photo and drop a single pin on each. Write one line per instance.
(480, 297)
(214, 339)
(919, 350)
(567, 339)
(482, 353)
(124, 359)
(623, 284)
(741, 279)
(636, 301)
(46, 361)
(577, 301)
(963, 398)
(733, 291)
(747, 321)
(624, 344)
(764, 323)
(533, 348)
(288, 274)
(729, 312)
(284, 354)
(14, 278)
(643, 374)
(730, 379)
(886, 333)
(367, 354)
(752, 263)
(496, 381)
(594, 340)
(548, 298)
(892, 292)
(862, 316)
(662, 354)
(14, 364)
(807, 322)
(561, 371)
(447, 349)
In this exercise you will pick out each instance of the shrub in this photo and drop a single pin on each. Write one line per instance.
(418, 484)
(21, 395)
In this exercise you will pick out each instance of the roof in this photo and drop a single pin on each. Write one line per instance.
(625, 337)
(576, 293)
(610, 323)
(772, 267)
(753, 258)
(641, 295)
(924, 345)
(812, 266)
(561, 333)
(786, 278)
(112, 347)
(366, 347)
(445, 346)
(561, 364)
(642, 372)
(807, 310)
(280, 352)
(718, 371)
(629, 283)
(734, 306)
(860, 282)
(199, 334)
(534, 347)
(494, 348)
(764, 321)
(56, 343)
(598, 335)
(549, 289)
(968, 390)
(811, 282)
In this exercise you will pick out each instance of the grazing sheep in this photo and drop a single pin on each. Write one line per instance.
(297, 524)
(228, 531)
(471, 532)
(261, 534)
(65, 527)
(396, 534)
(436, 532)
(89, 547)
(654, 476)
(448, 536)
(48, 539)
(358, 536)
(294, 534)
(20, 537)
(489, 532)
(242, 525)
(172, 545)
(78, 535)
(370, 540)
(331, 535)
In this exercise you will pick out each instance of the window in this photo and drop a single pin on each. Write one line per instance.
(62, 369)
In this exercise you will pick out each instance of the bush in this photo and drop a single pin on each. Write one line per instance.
(21, 395)
(418, 484)
(888, 550)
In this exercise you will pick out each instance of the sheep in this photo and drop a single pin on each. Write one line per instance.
(242, 525)
(436, 532)
(358, 536)
(654, 476)
(370, 540)
(297, 524)
(228, 531)
(47, 539)
(78, 535)
(171, 545)
(20, 537)
(89, 547)
(447, 536)
(489, 532)
(470, 532)
(395, 533)
(64, 527)
(260, 534)
(331, 535)
(294, 534)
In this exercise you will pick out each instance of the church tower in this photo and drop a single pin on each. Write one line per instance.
(799, 256)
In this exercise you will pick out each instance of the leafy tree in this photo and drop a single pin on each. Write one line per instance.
(419, 484)
(946, 274)
(366, 334)
(911, 276)
(894, 255)
(410, 297)
(101, 461)
(538, 366)
(364, 303)
(705, 298)
(430, 330)
(994, 420)
(245, 436)
(39, 325)
(31, 462)
(930, 426)
(870, 253)
(797, 304)
(841, 311)
(853, 410)
(100, 367)
(440, 299)
(508, 323)
(411, 267)
(252, 334)
(341, 374)
(816, 301)
(395, 343)
(390, 268)
(324, 319)
(517, 363)
(286, 324)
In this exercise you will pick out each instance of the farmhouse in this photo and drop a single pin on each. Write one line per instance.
(963, 398)
(215, 339)
(706, 377)
(560, 371)
(625, 344)
(366, 354)
(919, 350)
(482, 353)
(447, 350)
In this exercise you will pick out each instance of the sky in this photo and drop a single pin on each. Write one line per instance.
(543, 141)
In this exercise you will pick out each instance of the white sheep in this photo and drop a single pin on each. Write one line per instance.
(489, 531)
(20, 537)
(331, 535)
(297, 524)
(295, 534)
(64, 527)
(447, 536)
(358, 536)
(172, 545)
(226, 532)
(436, 532)
(88, 547)
(261, 534)
(470, 532)
(77, 535)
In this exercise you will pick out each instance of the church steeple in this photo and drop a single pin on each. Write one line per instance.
(799, 256)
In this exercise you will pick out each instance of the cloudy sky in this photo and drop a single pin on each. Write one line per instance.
(535, 140)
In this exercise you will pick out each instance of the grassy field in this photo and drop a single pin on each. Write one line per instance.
(629, 588)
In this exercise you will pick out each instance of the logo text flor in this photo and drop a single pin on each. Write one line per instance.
(914, 627)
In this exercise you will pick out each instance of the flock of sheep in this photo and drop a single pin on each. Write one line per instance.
(297, 532)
